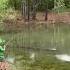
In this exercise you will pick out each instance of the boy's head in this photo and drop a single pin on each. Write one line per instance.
(2, 42)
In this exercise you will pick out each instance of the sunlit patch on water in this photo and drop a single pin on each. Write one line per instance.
(63, 57)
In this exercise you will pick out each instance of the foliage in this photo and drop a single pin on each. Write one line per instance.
(2, 42)
(15, 3)
(3, 4)
(43, 4)
(46, 4)
(67, 3)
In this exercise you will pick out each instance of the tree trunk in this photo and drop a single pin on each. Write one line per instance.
(28, 10)
(34, 14)
(34, 10)
(46, 15)
(24, 9)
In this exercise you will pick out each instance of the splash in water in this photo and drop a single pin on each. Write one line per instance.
(10, 59)
(63, 57)
(32, 56)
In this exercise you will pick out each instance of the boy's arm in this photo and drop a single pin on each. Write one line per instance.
(2, 48)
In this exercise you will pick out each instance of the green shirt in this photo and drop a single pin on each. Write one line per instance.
(2, 50)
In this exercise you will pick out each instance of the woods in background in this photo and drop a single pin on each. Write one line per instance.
(29, 8)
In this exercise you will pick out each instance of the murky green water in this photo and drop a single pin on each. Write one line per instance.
(39, 48)
(30, 59)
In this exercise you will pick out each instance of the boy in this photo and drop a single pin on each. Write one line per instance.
(2, 50)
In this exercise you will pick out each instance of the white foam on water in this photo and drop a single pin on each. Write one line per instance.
(63, 57)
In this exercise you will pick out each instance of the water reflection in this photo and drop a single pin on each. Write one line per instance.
(63, 57)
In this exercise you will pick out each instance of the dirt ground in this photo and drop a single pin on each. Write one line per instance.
(14, 22)
(4, 66)
(55, 17)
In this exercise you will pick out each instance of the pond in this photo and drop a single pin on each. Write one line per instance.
(41, 47)
(30, 59)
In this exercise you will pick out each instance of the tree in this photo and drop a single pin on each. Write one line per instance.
(46, 11)
(58, 4)
(34, 8)
(25, 7)
(67, 3)
(16, 4)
